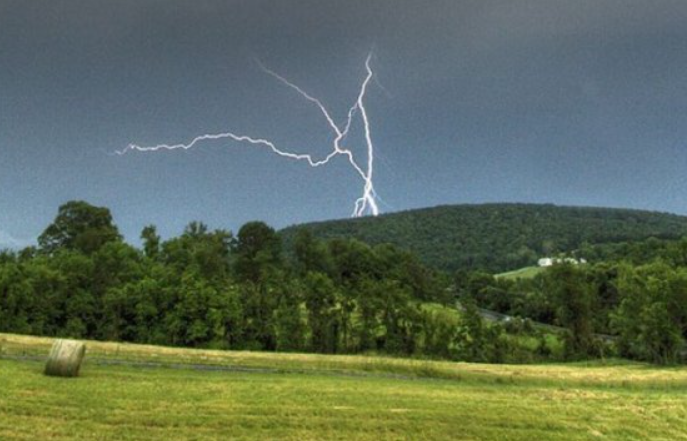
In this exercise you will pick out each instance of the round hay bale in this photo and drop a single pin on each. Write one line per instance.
(65, 358)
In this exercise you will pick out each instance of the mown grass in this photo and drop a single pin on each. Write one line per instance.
(528, 272)
(309, 397)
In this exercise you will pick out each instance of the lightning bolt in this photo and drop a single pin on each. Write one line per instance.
(367, 202)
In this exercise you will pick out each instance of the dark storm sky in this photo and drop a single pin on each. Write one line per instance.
(573, 102)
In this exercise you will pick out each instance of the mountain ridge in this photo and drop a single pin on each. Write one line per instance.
(497, 236)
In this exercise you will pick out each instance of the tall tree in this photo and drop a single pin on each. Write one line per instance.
(320, 299)
(258, 248)
(79, 226)
(575, 300)
(203, 251)
(311, 254)
(151, 241)
(290, 327)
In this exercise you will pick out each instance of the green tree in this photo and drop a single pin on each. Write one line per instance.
(17, 299)
(438, 330)
(290, 326)
(471, 336)
(652, 317)
(151, 241)
(202, 251)
(574, 299)
(320, 299)
(311, 254)
(258, 249)
(203, 315)
(403, 266)
(398, 316)
(79, 226)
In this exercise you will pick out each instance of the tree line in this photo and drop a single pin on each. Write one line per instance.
(213, 289)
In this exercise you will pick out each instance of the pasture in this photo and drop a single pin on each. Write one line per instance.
(146, 392)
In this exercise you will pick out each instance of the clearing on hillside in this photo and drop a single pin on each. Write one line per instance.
(527, 272)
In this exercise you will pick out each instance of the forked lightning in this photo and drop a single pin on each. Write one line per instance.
(365, 204)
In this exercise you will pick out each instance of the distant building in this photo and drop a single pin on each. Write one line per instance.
(545, 261)
(550, 261)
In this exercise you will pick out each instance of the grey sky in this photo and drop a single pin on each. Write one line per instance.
(572, 102)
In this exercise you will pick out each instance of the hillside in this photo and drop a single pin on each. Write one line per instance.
(152, 392)
(498, 237)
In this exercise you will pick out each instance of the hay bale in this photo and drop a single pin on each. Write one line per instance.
(65, 358)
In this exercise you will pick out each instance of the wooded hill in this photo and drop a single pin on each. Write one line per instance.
(497, 237)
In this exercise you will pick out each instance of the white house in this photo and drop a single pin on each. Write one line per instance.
(545, 261)
(550, 261)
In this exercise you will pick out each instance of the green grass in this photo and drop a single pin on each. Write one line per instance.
(528, 272)
(317, 397)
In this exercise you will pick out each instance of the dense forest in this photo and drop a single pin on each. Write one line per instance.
(497, 237)
(219, 290)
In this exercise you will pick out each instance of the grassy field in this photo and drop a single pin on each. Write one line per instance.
(167, 393)
(522, 273)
